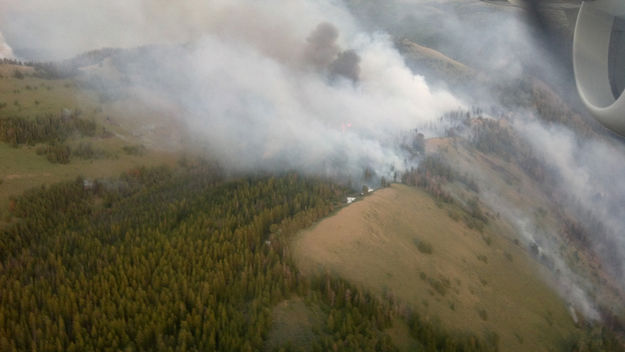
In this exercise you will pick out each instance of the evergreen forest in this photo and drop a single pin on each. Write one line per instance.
(163, 259)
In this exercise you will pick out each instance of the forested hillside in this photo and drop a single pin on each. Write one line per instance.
(163, 259)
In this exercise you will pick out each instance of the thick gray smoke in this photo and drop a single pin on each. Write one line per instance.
(346, 65)
(324, 53)
(321, 48)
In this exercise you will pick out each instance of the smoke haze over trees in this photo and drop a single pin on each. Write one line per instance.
(320, 86)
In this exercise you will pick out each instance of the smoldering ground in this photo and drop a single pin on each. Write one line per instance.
(589, 172)
(586, 185)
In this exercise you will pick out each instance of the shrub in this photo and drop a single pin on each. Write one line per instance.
(508, 256)
(55, 153)
(482, 313)
(134, 149)
(87, 151)
(487, 240)
(440, 286)
(424, 247)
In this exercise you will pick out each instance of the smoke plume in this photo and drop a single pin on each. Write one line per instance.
(589, 171)
(302, 88)
(5, 50)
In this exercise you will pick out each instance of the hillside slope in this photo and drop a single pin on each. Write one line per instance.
(471, 281)
(38, 111)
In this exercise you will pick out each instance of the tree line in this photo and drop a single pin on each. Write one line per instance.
(51, 131)
(44, 129)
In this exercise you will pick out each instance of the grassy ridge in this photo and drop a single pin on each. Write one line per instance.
(473, 281)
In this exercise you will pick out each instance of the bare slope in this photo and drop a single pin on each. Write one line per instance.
(470, 281)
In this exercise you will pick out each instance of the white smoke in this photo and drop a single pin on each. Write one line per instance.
(5, 50)
(570, 285)
(65, 28)
(590, 174)
(274, 85)
(261, 112)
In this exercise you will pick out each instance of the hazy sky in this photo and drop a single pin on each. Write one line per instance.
(63, 28)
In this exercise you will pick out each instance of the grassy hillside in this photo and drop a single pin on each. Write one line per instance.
(122, 127)
(26, 95)
(524, 190)
(399, 241)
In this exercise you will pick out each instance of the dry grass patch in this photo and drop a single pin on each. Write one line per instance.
(372, 243)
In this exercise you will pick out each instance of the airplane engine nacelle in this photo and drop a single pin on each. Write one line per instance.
(599, 60)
